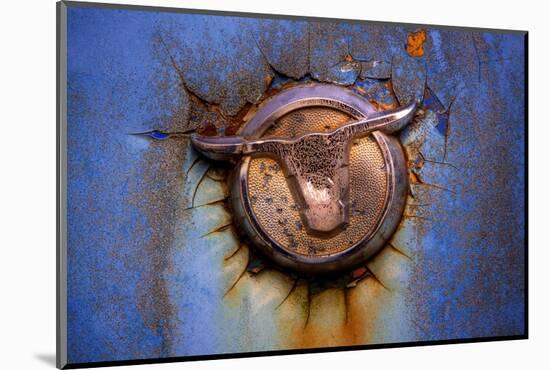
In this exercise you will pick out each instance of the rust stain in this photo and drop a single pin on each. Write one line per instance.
(360, 89)
(334, 317)
(207, 129)
(231, 124)
(235, 122)
(358, 272)
(387, 102)
(415, 43)
(380, 106)
(413, 178)
(324, 321)
(268, 79)
(348, 58)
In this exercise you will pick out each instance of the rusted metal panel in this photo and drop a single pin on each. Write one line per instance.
(156, 267)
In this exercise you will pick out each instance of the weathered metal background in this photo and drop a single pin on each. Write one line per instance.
(154, 265)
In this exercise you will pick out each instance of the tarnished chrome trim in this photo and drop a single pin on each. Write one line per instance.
(249, 141)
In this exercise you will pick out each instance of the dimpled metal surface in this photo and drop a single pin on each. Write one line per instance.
(275, 208)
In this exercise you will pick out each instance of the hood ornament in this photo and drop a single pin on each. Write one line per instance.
(307, 137)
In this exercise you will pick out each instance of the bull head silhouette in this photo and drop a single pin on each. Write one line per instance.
(316, 165)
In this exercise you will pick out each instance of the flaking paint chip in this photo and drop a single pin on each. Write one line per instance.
(415, 43)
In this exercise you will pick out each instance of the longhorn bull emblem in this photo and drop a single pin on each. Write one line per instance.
(316, 165)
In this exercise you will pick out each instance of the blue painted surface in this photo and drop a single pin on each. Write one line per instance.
(468, 272)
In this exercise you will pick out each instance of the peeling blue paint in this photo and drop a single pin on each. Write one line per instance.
(466, 242)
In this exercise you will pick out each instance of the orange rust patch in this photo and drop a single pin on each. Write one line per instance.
(349, 317)
(413, 179)
(360, 89)
(383, 106)
(207, 129)
(268, 80)
(415, 43)
(326, 322)
(348, 58)
(358, 272)
(235, 122)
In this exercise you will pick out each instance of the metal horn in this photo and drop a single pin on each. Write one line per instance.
(315, 164)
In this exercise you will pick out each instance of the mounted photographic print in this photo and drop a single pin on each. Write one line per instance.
(235, 184)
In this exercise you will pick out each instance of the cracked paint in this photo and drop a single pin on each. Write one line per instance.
(408, 78)
(376, 69)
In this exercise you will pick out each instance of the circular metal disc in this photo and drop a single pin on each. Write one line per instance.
(266, 209)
